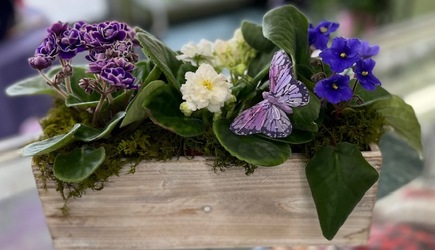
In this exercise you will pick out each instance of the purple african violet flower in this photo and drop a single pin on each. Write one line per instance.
(121, 62)
(107, 33)
(342, 54)
(40, 61)
(319, 36)
(98, 60)
(334, 89)
(118, 77)
(363, 72)
(44, 53)
(367, 51)
(70, 43)
(58, 28)
(48, 46)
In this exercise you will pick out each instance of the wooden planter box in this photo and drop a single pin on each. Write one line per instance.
(184, 204)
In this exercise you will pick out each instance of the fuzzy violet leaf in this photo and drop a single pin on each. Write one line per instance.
(161, 56)
(51, 144)
(252, 148)
(338, 178)
(401, 117)
(78, 132)
(135, 111)
(35, 85)
(79, 164)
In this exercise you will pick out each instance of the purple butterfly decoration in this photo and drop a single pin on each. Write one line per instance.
(269, 116)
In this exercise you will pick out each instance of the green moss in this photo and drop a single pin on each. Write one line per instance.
(359, 126)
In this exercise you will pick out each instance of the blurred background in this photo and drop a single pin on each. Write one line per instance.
(405, 65)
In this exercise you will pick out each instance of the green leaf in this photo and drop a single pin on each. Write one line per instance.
(73, 101)
(79, 164)
(142, 69)
(338, 178)
(251, 148)
(163, 107)
(51, 144)
(287, 28)
(303, 117)
(401, 117)
(253, 35)
(35, 85)
(78, 132)
(87, 134)
(368, 97)
(161, 56)
(259, 66)
(135, 111)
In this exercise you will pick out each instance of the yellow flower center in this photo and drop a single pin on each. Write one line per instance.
(343, 55)
(207, 84)
(335, 86)
(365, 73)
(323, 29)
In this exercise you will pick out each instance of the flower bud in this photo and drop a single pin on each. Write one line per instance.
(40, 61)
(185, 109)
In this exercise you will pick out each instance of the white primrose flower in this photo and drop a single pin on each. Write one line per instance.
(205, 89)
(196, 53)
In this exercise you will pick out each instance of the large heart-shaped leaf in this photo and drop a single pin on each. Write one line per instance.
(79, 164)
(251, 148)
(161, 55)
(338, 178)
(287, 28)
(401, 117)
(163, 107)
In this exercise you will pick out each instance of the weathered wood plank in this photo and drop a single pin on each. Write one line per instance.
(184, 204)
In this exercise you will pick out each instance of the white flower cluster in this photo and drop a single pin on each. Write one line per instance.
(197, 53)
(206, 88)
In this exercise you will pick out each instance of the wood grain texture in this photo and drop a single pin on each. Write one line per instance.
(184, 204)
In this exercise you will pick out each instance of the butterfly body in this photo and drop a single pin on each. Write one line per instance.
(270, 116)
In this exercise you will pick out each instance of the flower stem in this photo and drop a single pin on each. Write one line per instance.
(68, 78)
(98, 109)
(54, 86)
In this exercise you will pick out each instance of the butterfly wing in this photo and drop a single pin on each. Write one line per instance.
(277, 124)
(262, 118)
(283, 86)
(251, 120)
(295, 94)
(280, 72)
